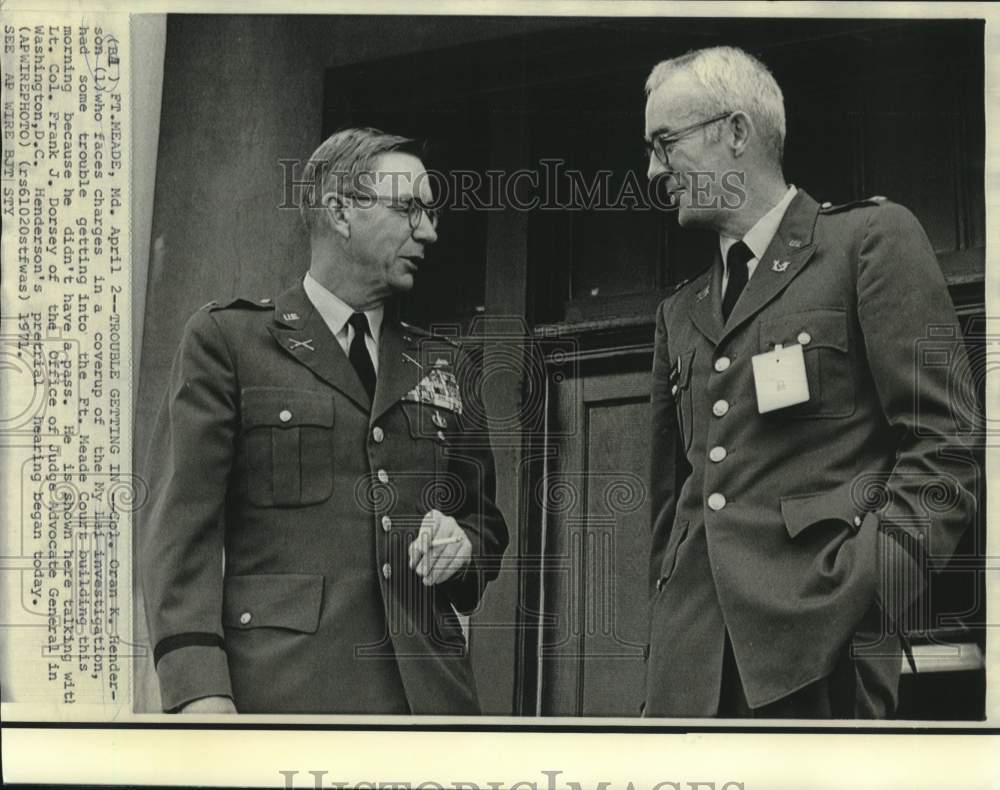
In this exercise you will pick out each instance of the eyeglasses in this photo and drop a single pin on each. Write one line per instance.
(661, 143)
(414, 208)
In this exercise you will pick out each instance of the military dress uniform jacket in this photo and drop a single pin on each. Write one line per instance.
(274, 560)
(782, 527)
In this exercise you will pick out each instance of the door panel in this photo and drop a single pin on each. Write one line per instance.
(598, 545)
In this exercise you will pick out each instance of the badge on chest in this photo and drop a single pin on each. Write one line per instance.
(779, 377)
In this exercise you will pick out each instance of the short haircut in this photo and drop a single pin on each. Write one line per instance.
(342, 161)
(732, 79)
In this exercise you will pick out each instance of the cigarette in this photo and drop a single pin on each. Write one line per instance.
(445, 541)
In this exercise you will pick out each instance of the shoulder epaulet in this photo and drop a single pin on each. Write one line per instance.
(678, 286)
(830, 208)
(420, 331)
(240, 303)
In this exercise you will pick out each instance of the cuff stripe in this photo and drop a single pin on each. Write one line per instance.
(178, 641)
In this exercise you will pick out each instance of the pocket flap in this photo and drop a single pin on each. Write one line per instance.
(803, 510)
(818, 328)
(273, 600)
(280, 407)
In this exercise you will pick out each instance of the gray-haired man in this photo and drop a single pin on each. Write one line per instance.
(794, 439)
(322, 494)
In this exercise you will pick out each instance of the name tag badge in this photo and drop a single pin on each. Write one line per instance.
(780, 378)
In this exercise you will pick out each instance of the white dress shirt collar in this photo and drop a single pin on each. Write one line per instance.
(760, 235)
(336, 313)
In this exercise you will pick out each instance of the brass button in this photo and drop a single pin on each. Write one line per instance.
(383, 476)
(717, 454)
(440, 436)
(857, 521)
(716, 501)
(284, 415)
(387, 571)
(804, 338)
(673, 390)
(245, 618)
(720, 408)
(722, 363)
(378, 434)
(386, 523)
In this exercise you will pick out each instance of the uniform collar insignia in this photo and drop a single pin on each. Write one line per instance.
(779, 266)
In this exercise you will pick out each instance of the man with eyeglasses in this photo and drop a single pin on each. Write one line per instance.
(807, 468)
(322, 483)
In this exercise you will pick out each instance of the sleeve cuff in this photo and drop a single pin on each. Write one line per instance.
(465, 588)
(190, 673)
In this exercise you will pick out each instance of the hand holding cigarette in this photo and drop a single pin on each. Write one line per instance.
(440, 550)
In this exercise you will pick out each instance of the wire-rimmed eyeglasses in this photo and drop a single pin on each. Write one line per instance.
(661, 142)
(414, 208)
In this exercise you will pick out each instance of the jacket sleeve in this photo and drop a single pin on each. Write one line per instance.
(181, 543)
(473, 471)
(910, 329)
(668, 466)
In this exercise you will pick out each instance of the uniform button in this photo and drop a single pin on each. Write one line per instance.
(378, 434)
(386, 523)
(804, 338)
(716, 501)
(722, 363)
(720, 407)
(857, 521)
(284, 415)
(826, 204)
(383, 476)
(245, 618)
(387, 571)
(717, 454)
(440, 435)
(673, 390)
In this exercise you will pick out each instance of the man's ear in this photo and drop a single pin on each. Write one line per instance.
(739, 130)
(337, 214)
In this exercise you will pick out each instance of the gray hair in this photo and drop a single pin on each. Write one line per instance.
(341, 163)
(731, 79)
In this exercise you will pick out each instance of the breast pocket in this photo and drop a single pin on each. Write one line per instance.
(433, 431)
(288, 442)
(823, 335)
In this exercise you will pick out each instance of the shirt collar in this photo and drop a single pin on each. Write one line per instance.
(336, 312)
(760, 235)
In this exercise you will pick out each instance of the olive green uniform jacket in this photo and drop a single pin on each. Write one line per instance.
(785, 527)
(274, 557)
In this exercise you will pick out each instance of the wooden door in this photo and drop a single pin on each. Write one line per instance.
(597, 542)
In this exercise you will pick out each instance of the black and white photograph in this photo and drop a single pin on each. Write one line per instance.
(713, 499)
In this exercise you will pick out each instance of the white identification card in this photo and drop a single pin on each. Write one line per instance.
(780, 378)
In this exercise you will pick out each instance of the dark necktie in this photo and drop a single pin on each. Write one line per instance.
(360, 358)
(737, 258)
